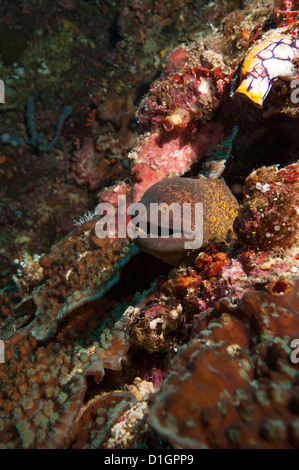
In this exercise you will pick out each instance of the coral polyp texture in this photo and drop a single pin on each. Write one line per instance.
(103, 344)
(47, 382)
(233, 386)
(270, 217)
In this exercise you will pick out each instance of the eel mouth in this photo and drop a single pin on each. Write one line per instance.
(167, 242)
(157, 235)
(172, 250)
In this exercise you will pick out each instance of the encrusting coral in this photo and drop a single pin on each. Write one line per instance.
(271, 216)
(202, 357)
(233, 385)
(45, 384)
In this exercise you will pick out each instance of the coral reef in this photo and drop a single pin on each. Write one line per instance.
(86, 168)
(233, 386)
(158, 156)
(107, 346)
(270, 218)
(72, 276)
(45, 385)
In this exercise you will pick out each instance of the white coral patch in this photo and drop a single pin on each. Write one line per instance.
(153, 324)
(205, 86)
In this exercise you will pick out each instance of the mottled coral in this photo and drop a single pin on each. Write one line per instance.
(266, 62)
(152, 327)
(157, 156)
(30, 273)
(120, 112)
(177, 112)
(72, 276)
(88, 166)
(45, 384)
(216, 273)
(234, 386)
(270, 214)
(94, 425)
(196, 91)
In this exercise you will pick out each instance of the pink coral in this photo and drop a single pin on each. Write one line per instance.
(176, 61)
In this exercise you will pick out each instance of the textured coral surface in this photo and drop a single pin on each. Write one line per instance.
(233, 386)
(103, 345)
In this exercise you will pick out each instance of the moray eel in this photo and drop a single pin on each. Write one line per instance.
(269, 60)
(212, 224)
